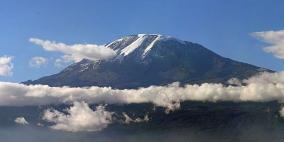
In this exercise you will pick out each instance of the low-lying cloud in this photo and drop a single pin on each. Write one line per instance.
(276, 39)
(128, 119)
(261, 88)
(264, 87)
(79, 117)
(6, 66)
(76, 52)
(281, 112)
(21, 121)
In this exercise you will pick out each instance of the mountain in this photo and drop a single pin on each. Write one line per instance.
(149, 59)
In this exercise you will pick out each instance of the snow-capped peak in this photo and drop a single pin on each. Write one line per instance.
(134, 45)
(149, 35)
(141, 35)
(149, 47)
(144, 42)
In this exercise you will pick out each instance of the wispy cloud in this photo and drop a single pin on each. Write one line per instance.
(276, 39)
(38, 62)
(129, 120)
(6, 66)
(63, 61)
(76, 52)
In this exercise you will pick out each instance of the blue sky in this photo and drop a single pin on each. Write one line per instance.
(223, 26)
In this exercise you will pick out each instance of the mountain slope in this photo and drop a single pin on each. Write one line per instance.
(144, 60)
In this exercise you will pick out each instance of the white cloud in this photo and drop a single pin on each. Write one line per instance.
(266, 78)
(129, 120)
(234, 81)
(76, 52)
(276, 39)
(6, 66)
(281, 112)
(21, 120)
(80, 117)
(261, 88)
(63, 61)
(258, 88)
(38, 61)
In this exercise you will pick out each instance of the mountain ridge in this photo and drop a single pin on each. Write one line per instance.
(151, 59)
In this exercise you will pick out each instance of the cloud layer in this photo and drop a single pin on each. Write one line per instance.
(79, 117)
(6, 66)
(261, 88)
(76, 52)
(264, 87)
(276, 39)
